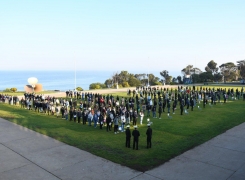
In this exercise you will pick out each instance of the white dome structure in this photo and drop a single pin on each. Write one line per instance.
(32, 81)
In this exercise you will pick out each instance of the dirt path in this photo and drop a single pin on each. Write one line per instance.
(102, 91)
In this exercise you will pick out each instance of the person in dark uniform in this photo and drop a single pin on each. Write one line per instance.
(71, 114)
(84, 116)
(108, 123)
(74, 115)
(149, 135)
(128, 136)
(79, 115)
(136, 135)
(182, 107)
(192, 103)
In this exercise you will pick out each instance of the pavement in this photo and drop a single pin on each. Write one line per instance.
(25, 154)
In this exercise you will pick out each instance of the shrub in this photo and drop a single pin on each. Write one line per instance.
(115, 86)
(79, 89)
(7, 90)
(125, 84)
(97, 86)
(13, 89)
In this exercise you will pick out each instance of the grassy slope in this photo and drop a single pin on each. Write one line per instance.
(171, 137)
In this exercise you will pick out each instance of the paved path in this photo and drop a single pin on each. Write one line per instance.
(25, 154)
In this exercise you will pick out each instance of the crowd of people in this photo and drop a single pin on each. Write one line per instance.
(114, 113)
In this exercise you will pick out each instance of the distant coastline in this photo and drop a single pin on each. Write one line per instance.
(55, 80)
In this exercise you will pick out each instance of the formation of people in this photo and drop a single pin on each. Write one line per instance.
(117, 113)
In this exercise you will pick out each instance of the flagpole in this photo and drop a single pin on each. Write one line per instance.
(75, 74)
(148, 74)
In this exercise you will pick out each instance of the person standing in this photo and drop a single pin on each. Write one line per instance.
(182, 107)
(160, 111)
(102, 119)
(96, 118)
(71, 114)
(192, 103)
(128, 136)
(149, 135)
(62, 109)
(141, 117)
(108, 123)
(135, 116)
(79, 115)
(116, 124)
(90, 117)
(136, 135)
(84, 116)
(75, 115)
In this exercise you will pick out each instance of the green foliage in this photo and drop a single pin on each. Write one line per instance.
(7, 90)
(173, 83)
(109, 83)
(115, 86)
(132, 81)
(79, 89)
(180, 80)
(13, 89)
(97, 86)
(157, 83)
(125, 84)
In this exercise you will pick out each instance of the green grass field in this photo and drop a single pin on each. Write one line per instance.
(171, 137)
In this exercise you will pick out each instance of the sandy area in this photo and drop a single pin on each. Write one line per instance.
(105, 91)
(102, 91)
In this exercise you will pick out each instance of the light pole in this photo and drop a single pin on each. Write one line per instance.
(75, 75)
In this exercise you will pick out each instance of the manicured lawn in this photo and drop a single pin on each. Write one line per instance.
(171, 137)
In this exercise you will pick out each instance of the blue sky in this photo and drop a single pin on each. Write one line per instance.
(120, 35)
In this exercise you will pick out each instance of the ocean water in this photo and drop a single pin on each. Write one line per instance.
(52, 80)
(57, 80)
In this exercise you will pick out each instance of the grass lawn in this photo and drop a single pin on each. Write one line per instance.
(171, 137)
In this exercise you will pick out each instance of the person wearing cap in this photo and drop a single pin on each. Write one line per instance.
(136, 135)
(149, 135)
(128, 136)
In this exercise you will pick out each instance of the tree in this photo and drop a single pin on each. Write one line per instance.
(241, 67)
(115, 78)
(188, 71)
(79, 89)
(123, 77)
(212, 67)
(153, 80)
(165, 75)
(168, 79)
(218, 77)
(132, 81)
(206, 76)
(13, 89)
(97, 86)
(196, 78)
(180, 80)
(228, 70)
(125, 84)
(109, 83)
(242, 71)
